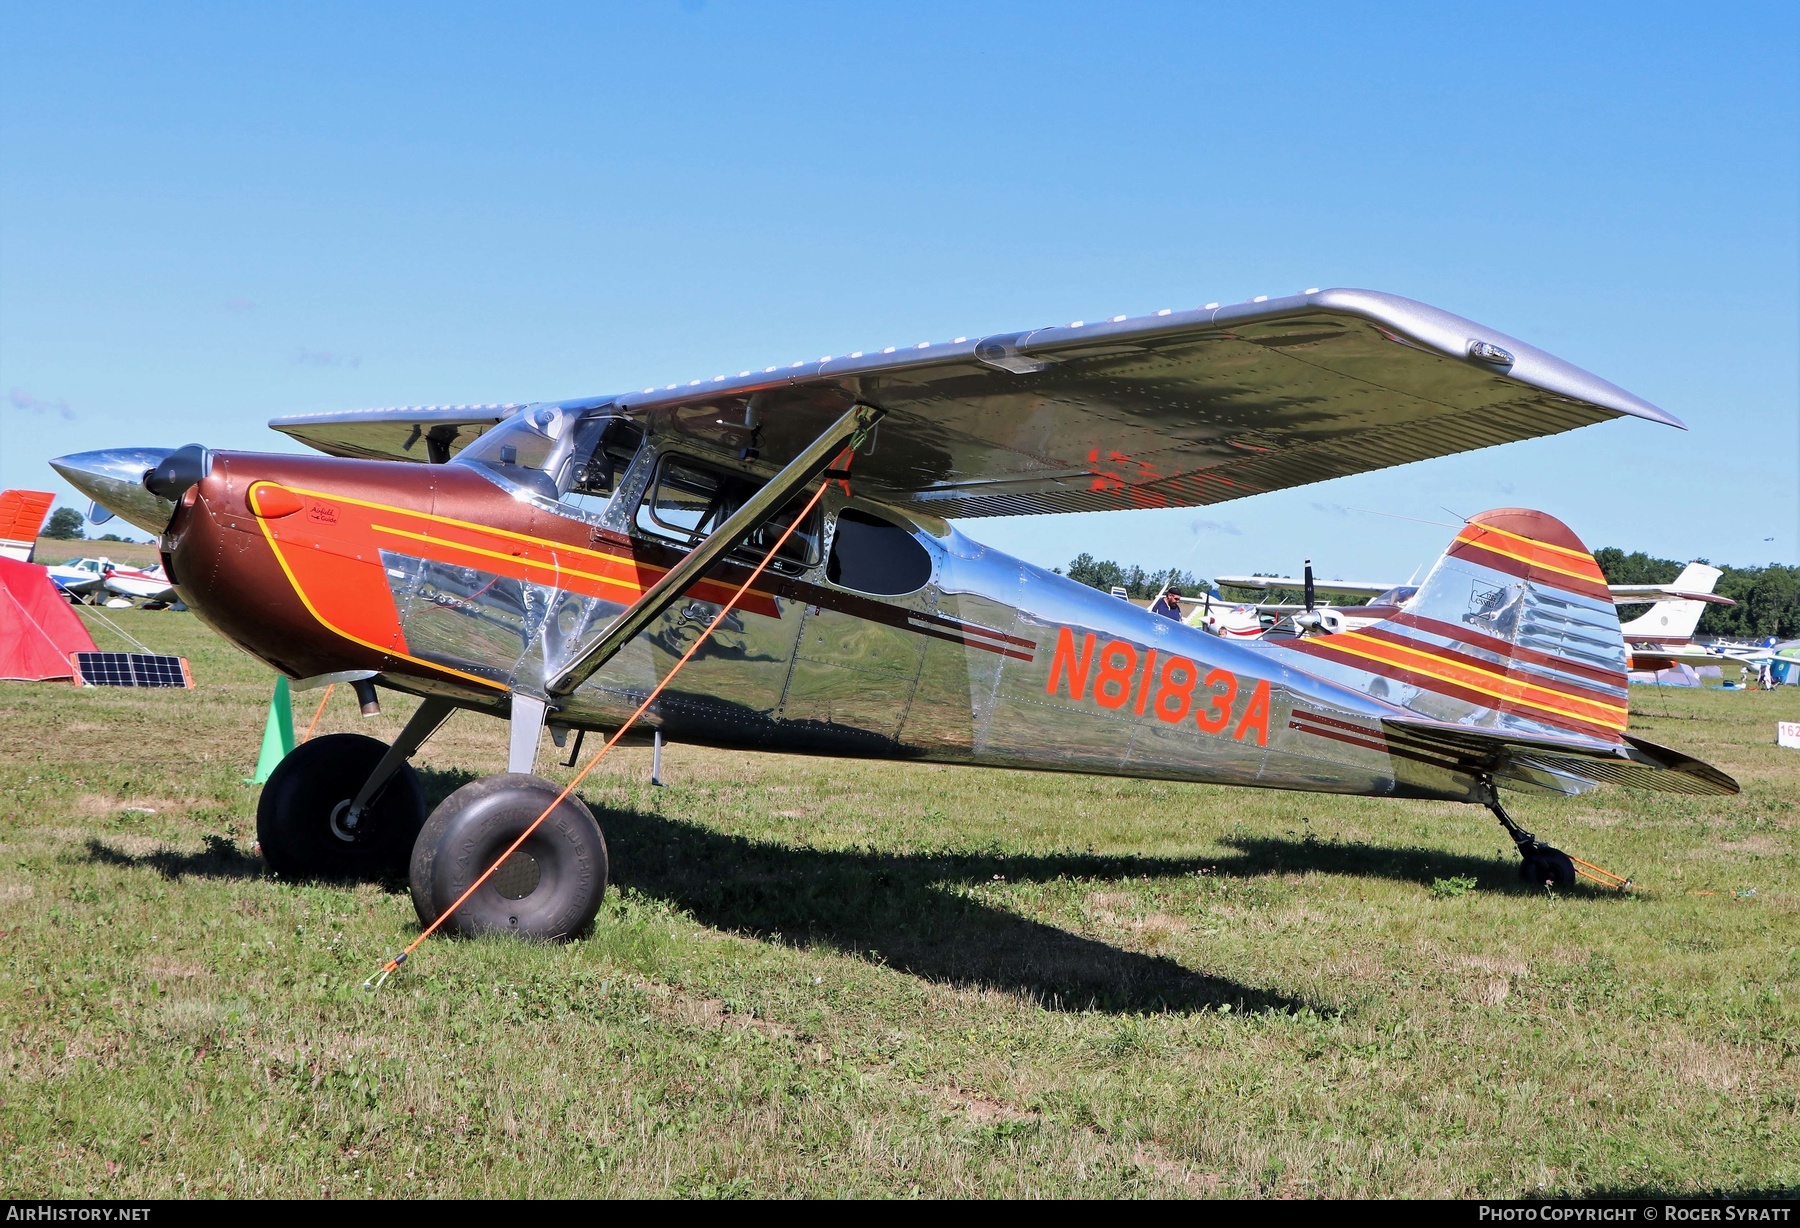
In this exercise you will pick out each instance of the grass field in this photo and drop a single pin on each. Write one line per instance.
(817, 977)
(53, 550)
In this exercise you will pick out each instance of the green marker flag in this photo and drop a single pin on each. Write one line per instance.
(278, 733)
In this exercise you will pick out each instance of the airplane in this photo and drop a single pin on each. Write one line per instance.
(81, 580)
(560, 565)
(22, 514)
(1384, 601)
(149, 585)
(1229, 619)
(1661, 637)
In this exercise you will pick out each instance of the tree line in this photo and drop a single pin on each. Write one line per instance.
(1104, 574)
(66, 524)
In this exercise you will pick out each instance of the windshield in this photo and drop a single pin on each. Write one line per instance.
(559, 454)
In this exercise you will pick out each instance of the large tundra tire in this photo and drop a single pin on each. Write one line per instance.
(550, 888)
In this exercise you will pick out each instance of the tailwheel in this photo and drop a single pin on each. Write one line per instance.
(1544, 866)
(304, 820)
(1540, 864)
(549, 888)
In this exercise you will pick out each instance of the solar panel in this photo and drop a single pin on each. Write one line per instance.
(130, 669)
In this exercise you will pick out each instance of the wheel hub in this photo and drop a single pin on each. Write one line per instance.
(518, 877)
(339, 813)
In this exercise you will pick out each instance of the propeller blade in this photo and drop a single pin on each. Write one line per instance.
(1309, 586)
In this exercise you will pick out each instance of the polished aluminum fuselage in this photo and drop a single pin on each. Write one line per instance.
(963, 670)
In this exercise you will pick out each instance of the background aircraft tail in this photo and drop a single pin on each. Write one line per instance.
(1512, 661)
(22, 514)
(1675, 617)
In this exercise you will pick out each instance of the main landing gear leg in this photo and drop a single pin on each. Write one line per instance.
(525, 732)
(431, 714)
(1540, 864)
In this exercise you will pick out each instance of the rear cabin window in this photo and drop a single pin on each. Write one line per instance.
(872, 555)
(688, 501)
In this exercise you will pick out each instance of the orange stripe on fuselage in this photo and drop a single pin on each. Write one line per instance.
(355, 593)
(331, 550)
(520, 556)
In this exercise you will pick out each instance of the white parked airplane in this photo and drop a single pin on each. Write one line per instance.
(81, 580)
(150, 586)
(1229, 619)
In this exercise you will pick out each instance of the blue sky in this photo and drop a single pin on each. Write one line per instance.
(210, 215)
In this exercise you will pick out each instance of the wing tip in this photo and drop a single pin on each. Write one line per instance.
(1457, 337)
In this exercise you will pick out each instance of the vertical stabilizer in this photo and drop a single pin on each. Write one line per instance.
(1513, 632)
(22, 514)
(1675, 618)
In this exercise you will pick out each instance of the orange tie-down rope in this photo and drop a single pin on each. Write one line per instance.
(1606, 878)
(314, 724)
(388, 969)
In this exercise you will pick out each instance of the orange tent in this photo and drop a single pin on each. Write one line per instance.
(38, 630)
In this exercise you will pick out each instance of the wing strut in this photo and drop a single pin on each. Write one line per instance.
(757, 509)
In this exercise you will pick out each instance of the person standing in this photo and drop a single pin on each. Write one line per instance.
(1169, 604)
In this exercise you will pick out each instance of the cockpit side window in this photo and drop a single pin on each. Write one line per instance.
(560, 455)
(688, 500)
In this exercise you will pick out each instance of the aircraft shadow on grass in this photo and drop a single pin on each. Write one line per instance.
(903, 910)
(218, 857)
(1264, 855)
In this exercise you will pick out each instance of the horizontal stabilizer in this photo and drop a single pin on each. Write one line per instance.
(1644, 594)
(1552, 765)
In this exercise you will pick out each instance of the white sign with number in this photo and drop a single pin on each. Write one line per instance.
(1787, 733)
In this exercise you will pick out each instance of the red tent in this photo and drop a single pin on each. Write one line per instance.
(38, 630)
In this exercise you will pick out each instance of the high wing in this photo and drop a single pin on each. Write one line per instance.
(1699, 654)
(428, 433)
(1176, 409)
(1341, 588)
